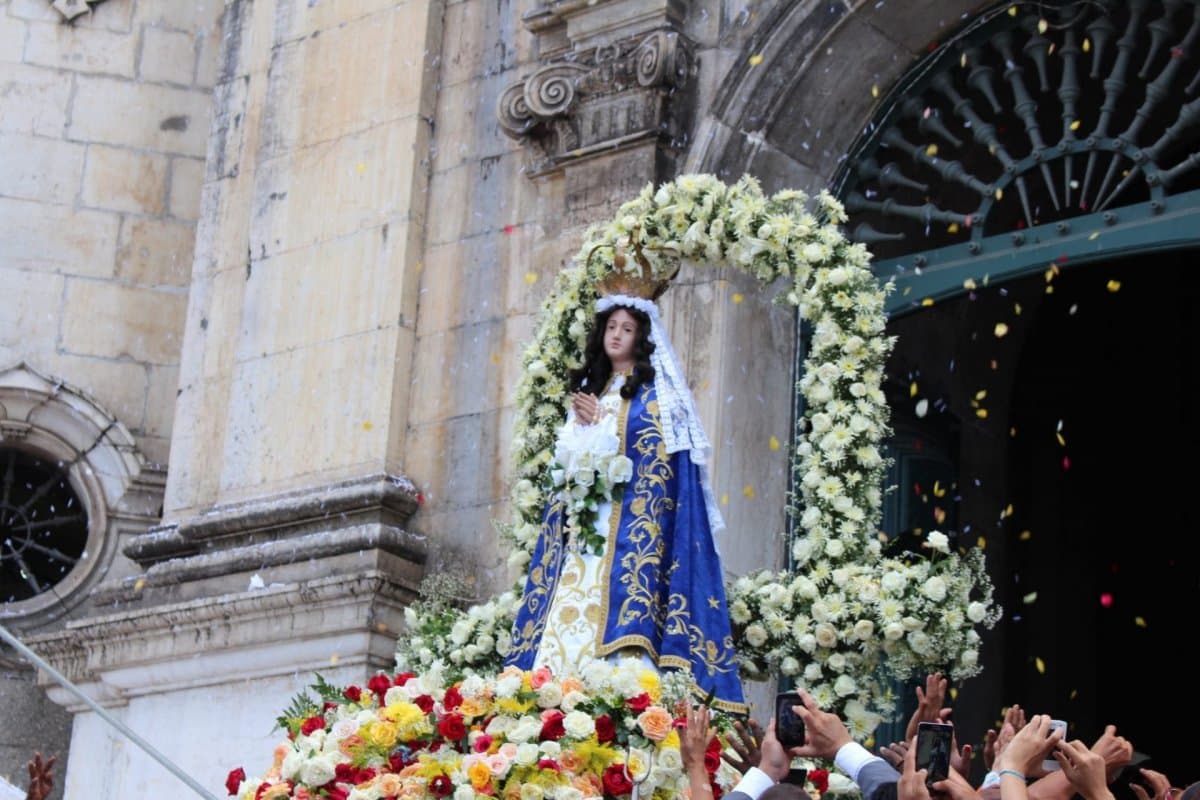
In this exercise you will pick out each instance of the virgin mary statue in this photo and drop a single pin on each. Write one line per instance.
(637, 573)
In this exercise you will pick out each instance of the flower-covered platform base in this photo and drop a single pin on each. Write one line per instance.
(611, 732)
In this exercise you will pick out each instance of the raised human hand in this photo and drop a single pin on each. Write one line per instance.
(1159, 785)
(894, 754)
(746, 743)
(1084, 769)
(694, 738)
(1029, 746)
(775, 761)
(930, 704)
(960, 758)
(911, 785)
(41, 777)
(824, 733)
(955, 787)
(1014, 720)
(586, 407)
(1117, 752)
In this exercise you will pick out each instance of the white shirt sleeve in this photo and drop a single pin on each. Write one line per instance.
(754, 783)
(852, 757)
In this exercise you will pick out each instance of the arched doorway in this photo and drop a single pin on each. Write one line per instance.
(1031, 187)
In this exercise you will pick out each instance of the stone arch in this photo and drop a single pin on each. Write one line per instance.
(763, 120)
(122, 494)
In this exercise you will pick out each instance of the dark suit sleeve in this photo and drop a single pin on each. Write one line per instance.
(877, 780)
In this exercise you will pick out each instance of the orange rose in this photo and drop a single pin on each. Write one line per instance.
(390, 784)
(571, 685)
(351, 744)
(480, 774)
(570, 761)
(656, 722)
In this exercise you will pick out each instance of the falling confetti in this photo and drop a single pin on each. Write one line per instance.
(1041, 666)
(1012, 11)
(737, 298)
(360, 167)
(1001, 330)
(1043, 26)
(1029, 599)
(922, 408)
(1026, 536)
(1106, 599)
(953, 693)
(1061, 441)
(1066, 462)
(531, 278)
(953, 227)
(367, 426)
(1113, 286)
(773, 443)
(334, 659)
(874, 91)
(931, 150)
(981, 395)
(999, 194)
(939, 515)
(1087, 45)
(1074, 694)
(1139, 621)
(508, 229)
(725, 499)
(981, 543)
(1075, 125)
(756, 59)
(928, 301)
(969, 284)
(938, 489)
(912, 389)
(981, 413)
(748, 491)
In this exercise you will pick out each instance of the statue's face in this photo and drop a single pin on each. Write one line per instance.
(620, 335)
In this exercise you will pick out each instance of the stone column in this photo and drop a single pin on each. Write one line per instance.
(283, 548)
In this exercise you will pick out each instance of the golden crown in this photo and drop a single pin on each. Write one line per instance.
(634, 282)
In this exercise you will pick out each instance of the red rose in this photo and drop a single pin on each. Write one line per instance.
(379, 685)
(615, 782)
(234, 779)
(403, 678)
(606, 729)
(819, 779)
(549, 763)
(482, 743)
(312, 724)
(716, 791)
(712, 762)
(639, 703)
(328, 705)
(452, 727)
(552, 725)
(336, 793)
(441, 786)
(425, 703)
(353, 694)
(396, 761)
(453, 699)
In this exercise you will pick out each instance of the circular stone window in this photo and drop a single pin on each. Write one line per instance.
(43, 525)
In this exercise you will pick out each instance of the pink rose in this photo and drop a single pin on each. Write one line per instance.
(540, 677)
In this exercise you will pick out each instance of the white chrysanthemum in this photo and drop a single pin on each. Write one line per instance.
(739, 612)
(835, 548)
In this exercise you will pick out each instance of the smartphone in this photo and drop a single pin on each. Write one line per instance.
(934, 741)
(1051, 764)
(789, 727)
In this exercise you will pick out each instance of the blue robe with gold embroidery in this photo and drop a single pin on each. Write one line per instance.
(665, 592)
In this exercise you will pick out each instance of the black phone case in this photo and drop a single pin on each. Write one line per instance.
(789, 727)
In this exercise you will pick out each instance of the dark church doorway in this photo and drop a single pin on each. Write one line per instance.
(1080, 480)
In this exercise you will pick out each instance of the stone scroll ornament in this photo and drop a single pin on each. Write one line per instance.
(70, 9)
(845, 616)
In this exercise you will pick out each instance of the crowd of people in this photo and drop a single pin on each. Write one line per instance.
(1016, 754)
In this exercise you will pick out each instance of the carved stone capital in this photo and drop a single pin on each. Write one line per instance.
(599, 98)
(70, 9)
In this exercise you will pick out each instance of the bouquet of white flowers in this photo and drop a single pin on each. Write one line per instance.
(587, 472)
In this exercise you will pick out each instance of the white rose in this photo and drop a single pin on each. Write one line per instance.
(344, 727)
(834, 548)
(912, 624)
(550, 749)
(845, 686)
(572, 699)
(527, 728)
(292, 763)
(669, 759)
(976, 612)
(756, 635)
(812, 672)
(969, 658)
(938, 541)
(919, 642)
(620, 470)
(807, 642)
(527, 754)
(550, 695)
(318, 771)
(863, 629)
(789, 666)
(826, 635)
(836, 662)
(893, 631)
(578, 724)
(935, 589)
(531, 791)
(464, 792)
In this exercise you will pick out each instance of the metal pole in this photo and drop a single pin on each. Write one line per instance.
(104, 715)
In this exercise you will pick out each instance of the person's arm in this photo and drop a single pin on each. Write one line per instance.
(930, 704)
(772, 767)
(911, 785)
(1028, 748)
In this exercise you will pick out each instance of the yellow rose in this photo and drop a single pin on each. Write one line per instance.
(381, 734)
(480, 775)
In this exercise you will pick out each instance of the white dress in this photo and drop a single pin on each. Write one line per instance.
(573, 623)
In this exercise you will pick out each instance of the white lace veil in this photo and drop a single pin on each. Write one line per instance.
(680, 423)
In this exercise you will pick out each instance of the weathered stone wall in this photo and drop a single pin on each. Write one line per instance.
(103, 128)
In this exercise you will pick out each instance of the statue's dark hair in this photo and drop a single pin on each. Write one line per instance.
(597, 368)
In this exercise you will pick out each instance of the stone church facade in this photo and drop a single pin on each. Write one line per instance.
(268, 267)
